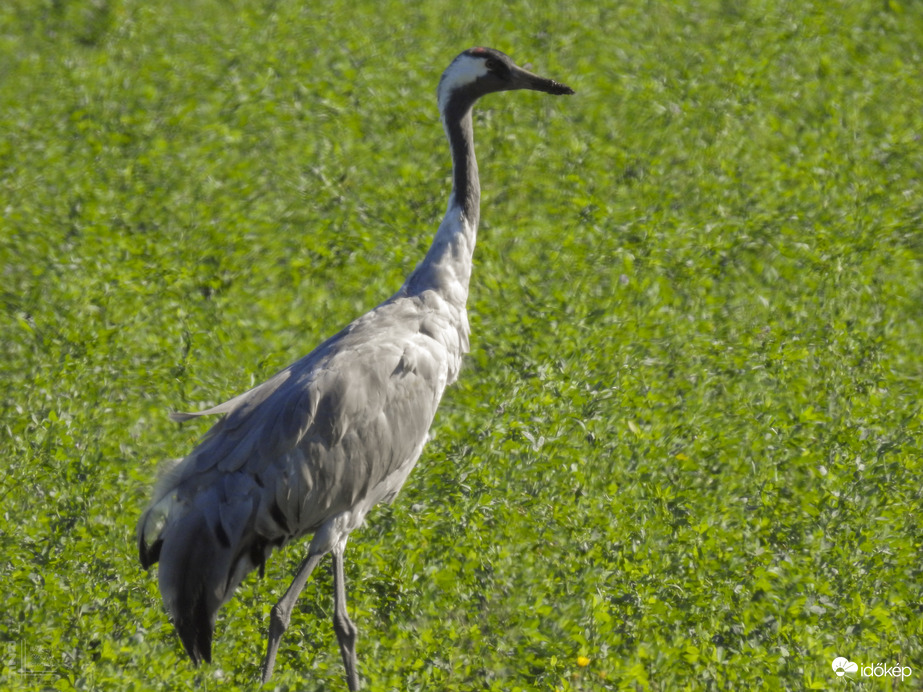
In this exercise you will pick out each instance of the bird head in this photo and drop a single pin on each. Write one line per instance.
(480, 71)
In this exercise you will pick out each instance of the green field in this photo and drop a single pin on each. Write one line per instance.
(685, 449)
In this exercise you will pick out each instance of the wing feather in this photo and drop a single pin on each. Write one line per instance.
(334, 433)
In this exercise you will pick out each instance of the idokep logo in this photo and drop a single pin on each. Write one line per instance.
(843, 667)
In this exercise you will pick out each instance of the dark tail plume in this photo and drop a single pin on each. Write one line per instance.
(205, 545)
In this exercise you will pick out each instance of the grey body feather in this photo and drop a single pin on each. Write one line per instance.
(309, 451)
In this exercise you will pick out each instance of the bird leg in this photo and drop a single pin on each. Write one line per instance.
(345, 629)
(281, 613)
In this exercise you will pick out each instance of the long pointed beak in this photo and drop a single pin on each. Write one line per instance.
(523, 79)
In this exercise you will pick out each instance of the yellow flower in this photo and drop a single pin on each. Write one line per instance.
(583, 661)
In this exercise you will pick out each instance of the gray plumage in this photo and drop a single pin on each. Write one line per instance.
(315, 447)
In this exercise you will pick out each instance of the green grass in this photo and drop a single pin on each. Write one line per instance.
(686, 444)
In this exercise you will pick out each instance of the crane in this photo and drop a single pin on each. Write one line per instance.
(316, 446)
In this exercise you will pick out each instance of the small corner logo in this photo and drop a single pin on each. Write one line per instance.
(842, 666)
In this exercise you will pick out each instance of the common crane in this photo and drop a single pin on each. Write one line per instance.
(315, 447)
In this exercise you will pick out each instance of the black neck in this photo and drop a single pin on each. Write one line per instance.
(466, 189)
(447, 265)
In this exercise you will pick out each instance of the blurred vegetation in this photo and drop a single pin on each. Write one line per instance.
(684, 452)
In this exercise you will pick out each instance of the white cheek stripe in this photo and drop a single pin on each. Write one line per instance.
(463, 71)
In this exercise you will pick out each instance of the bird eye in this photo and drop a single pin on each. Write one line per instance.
(492, 64)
